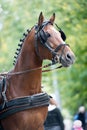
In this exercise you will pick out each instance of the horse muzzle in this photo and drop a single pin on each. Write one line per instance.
(67, 60)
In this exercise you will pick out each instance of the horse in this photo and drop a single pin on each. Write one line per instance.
(23, 104)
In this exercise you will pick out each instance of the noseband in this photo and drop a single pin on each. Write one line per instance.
(41, 35)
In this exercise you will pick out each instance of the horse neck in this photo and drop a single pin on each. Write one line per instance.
(29, 83)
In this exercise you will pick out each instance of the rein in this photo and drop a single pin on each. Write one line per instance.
(30, 70)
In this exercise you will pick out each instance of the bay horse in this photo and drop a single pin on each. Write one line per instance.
(23, 105)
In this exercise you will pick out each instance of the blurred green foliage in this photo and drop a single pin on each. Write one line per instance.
(17, 16)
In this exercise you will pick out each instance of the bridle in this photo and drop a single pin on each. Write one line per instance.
(41, 35)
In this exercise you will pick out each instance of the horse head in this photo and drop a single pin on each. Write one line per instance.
(53, 41)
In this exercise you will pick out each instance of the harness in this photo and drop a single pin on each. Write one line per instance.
(10, 107)
(3, 88)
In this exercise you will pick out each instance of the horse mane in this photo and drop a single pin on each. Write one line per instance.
(20, 46)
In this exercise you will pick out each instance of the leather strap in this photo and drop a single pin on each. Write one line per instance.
(24, 103)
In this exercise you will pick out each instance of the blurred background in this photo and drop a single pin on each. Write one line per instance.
(67, 85)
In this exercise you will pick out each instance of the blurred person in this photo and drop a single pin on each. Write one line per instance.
(54, 120)
(77, 125)
(86, 120)
(81, 116)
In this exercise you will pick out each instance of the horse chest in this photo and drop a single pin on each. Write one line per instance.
(26, 120)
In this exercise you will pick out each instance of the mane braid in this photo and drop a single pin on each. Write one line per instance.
(20, 46)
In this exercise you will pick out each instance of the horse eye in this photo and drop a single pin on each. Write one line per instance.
(47, 34)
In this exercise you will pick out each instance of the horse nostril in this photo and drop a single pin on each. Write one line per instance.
(68, 57)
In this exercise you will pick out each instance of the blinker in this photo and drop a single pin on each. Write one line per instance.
(62, 35)
(61, 32)
(43, 36)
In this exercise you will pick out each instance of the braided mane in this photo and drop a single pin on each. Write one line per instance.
(20, 46)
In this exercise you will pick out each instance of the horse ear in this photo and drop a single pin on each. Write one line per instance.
(52, 18)
(40, 19)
